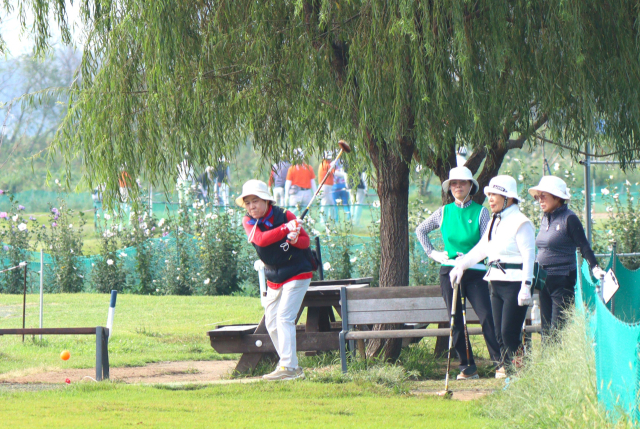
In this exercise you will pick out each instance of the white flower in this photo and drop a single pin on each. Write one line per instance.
(123, 255)
(615, 196)
(195, 205)
(161, 222)
(22, 264)
(109, 261)
(609, 209)
(516, 159)
(22, 227)
(15, 218)
(376, 203)
(556, 167)
(70, 225)
(206, 281)
(178, 278)
(611, 176)
(352, 260)
(157, 290)
(326, 266)
(98, 215)
(604, 191)
(71, 250)
(234, 252)
(628, 183)
(107, 216)
(521, 177)
(56, 181)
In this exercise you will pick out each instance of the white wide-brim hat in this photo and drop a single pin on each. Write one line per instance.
(461, 173)
(257, 188)
(551, 185)
(503, 185)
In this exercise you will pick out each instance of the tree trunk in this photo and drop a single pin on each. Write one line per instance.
(393, 190)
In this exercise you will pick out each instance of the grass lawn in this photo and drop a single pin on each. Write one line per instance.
(299, 404)
(146, 329)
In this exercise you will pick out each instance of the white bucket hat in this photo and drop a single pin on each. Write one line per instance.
(257, 188)
(503, 185)
(461, 173)
(551, 185)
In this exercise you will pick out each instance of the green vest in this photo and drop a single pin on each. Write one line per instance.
(461, 229)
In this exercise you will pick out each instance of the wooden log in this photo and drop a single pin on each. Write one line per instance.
(49, 331)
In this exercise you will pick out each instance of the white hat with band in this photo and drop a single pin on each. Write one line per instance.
(461, 173)
(551, 185)
(257, 188)
(503, 185)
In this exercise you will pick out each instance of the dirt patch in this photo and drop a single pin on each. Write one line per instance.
(458, 395)
(163, 372)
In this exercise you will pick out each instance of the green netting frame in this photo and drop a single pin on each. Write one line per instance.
(617, 342)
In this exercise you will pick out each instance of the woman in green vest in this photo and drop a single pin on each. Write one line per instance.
(462, 223)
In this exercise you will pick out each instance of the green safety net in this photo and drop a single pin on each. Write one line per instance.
(617, 339)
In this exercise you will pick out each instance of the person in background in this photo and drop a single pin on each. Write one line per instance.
(326, 192)
(280, 242)
(221, 177)
(361, 198)
(96, 197)
(509, 246)
(277, 180)
(186, 178)
(301, 182)
(125, 183)
(561, 232)
(462, 224)
(340, 192)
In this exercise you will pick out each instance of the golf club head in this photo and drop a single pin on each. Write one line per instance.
(446, 394)
(344, 146)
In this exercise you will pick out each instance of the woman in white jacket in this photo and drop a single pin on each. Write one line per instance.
(509, 246)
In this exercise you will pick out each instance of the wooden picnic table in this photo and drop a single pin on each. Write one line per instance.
(318, 334)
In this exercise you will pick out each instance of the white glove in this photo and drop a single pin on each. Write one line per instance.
(293, 236)
(293, 225)
(455, 275)
(524, 296)
(598, 272)
(441, 257)
(258, 265)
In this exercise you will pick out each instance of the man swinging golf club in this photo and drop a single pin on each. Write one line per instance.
(462, 224)
(509, 246)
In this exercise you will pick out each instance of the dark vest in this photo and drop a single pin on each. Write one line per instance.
(554, 244)
(281, 264)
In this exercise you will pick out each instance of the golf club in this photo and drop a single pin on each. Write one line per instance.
(464, 321)
(446, 392)
(344, 147)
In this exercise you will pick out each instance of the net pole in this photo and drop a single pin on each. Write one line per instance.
(41, 288)
(587, 187)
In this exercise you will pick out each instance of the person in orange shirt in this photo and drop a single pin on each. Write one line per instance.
(326, 192)
(301, 182)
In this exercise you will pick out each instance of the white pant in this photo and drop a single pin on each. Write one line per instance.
(278, 194)
(356, 209)
(301, 197)
(327, 200)
(282, 306)
(222, 195)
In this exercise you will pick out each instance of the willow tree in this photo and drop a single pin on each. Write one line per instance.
(399, 80)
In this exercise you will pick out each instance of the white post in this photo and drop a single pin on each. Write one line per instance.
(112, 311)
(41, 287)
(259, 267)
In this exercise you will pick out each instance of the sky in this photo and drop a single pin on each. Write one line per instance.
(20, 44)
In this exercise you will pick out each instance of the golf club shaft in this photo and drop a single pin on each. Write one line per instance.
(453, 315)
(464, 322)
(324, 179)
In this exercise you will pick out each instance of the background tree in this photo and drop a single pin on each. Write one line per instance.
(398, 79)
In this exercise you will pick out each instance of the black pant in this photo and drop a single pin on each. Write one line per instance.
(556, 297)
(476, 292)
(508, 317)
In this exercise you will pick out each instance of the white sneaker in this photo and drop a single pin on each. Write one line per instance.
(501, 372)
(283, 373)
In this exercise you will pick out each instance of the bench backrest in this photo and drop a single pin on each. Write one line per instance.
(417, 304)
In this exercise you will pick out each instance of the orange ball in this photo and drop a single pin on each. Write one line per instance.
(65, 355)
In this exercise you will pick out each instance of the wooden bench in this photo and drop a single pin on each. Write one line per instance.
(102, 343)
(397, 305)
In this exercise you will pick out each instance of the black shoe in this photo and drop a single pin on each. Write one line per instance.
(469, 373)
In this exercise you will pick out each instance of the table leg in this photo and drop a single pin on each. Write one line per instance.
(249, 361)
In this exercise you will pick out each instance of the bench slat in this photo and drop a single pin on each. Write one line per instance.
(393, 292)
(416, 333)
(392, 304)
(424, 316)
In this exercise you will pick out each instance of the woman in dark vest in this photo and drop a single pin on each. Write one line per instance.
(560, 234)
(280, 242)
(462, 224)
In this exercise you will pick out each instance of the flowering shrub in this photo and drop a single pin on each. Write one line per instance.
(65, 246)
(143, 226)
(18, 236)
(107, 271)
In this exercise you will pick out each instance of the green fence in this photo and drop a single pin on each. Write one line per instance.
(617, 339)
